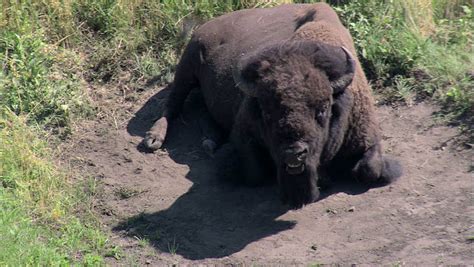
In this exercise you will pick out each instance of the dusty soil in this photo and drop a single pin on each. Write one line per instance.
(169, 207)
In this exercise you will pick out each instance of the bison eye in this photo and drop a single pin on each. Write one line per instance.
(321, 116)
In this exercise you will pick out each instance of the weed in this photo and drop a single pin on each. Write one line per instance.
(124, 192)
(115, 252)
(173, 247)
(142, 242)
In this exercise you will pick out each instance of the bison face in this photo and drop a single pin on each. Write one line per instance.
(294, 84)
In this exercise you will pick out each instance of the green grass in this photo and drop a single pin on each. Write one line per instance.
(38, 79)
(39, 206)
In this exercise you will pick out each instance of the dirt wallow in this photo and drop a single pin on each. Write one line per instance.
(170, 207)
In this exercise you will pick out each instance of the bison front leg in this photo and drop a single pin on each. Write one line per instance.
(184, 80)
(155, 137)
(255, 165)
(373, 167)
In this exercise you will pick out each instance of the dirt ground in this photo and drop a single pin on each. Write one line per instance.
(169, 207)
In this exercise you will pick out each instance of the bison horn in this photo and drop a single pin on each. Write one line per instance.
(338, 85)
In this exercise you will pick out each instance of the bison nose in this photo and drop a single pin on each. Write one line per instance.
(296, 154)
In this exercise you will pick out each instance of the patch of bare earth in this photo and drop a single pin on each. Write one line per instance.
(169, 207)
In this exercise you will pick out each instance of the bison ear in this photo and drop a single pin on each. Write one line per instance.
(246, 74)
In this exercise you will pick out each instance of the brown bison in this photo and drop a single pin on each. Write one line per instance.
(286, 86)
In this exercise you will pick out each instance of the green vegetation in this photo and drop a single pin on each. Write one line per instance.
(413, 50)
(52, 53)
(38, 79)
(39, 207)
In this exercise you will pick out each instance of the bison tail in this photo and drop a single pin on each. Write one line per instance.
(392, 170)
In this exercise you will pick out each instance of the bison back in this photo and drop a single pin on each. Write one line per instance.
(226, 39)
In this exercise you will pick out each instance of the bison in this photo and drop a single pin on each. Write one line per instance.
(285, 85)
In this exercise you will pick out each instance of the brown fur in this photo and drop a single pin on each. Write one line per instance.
(268, 77)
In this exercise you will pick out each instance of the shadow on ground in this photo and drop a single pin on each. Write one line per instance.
(213, 219)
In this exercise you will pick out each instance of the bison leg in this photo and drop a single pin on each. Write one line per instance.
(253, 159)
(254, 168)
(212, 137)
(375, 168)
(242, 164)
(155, 137)
(184, 81)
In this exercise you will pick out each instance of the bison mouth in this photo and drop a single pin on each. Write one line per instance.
(294, 158)
(295, 168)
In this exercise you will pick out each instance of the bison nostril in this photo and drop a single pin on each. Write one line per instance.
(302, 154)
(296, 154)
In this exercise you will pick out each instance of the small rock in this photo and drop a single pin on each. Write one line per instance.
(148, 262)
(328, 210)
(127, 159)
(351, 209)
(108, 212)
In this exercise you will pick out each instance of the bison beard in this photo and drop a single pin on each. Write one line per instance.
(298, 189)
(284, 84)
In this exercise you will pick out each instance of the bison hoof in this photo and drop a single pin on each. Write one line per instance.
(155, 137)
(378, 172)
(153, 141)
(209, 146)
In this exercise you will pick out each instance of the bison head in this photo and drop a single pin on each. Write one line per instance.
(294, 84)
